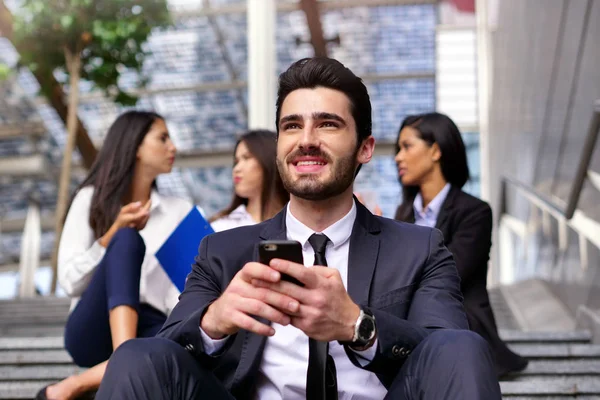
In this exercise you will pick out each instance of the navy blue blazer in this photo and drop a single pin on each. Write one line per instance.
(402, 272)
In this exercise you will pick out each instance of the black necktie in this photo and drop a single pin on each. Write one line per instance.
(321, 380)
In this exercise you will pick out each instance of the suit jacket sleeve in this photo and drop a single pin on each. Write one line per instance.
(201, 289)
(471, 242)
(436, 304)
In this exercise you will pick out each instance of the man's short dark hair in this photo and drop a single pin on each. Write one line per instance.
(310, 73)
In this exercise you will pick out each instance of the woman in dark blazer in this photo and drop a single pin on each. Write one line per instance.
(432, 165)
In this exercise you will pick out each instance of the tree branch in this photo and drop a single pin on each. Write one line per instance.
(55, 95)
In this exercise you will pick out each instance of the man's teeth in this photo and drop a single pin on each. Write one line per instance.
(311, 163)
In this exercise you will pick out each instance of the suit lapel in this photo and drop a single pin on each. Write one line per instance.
(362, 257)
(253, 345)
(446, 210)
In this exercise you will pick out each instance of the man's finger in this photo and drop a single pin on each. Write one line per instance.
(248, 323)
(260, 309)
(278, 299)
(290, 290)
(254, 270)
(325, 272)
(295, 270)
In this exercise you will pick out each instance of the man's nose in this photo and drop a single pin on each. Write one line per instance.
(309, 138)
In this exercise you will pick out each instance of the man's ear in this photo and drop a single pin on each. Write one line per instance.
(436, 153)
(365, 151)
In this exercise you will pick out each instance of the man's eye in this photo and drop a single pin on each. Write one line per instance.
(329, 124)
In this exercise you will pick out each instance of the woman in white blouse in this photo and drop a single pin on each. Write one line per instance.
(106, 263)
(258, 191)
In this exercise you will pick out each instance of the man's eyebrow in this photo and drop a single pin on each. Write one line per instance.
(326, 115)
(317, 116)
(291, 117)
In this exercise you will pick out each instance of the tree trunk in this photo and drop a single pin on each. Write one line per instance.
(73, 61)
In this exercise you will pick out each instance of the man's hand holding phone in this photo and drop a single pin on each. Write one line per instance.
(282, 290)
(235, 308)
(326, 311)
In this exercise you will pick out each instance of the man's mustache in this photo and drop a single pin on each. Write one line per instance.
(308, 153)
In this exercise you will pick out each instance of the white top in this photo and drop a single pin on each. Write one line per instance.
(238, 217)
(79, 253)
(282, 372)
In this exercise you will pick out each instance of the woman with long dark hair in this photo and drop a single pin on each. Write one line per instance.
(258, 191)
(432, 165)
(106, 264)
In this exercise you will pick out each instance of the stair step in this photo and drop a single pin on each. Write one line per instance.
(26, 320)
(514, 336)
(32, 306)
(37, 372)
(22, 390)
(20, 357)
(561, 367)
(555, 350)
(31, 330)
(31, 343)
(557, 387)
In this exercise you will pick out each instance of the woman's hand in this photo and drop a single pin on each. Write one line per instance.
(133, 215)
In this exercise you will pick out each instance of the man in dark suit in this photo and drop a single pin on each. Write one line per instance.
(379, 314)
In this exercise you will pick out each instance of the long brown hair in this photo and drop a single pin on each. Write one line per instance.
(111, 173)
(262, 144)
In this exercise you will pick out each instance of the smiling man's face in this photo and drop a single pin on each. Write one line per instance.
(317, 152)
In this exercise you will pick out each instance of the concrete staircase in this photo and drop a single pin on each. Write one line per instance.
(564, 365)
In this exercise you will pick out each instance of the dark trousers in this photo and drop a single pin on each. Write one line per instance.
(446, 365)
(115, 282)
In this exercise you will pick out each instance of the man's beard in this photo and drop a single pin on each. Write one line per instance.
(309, 186)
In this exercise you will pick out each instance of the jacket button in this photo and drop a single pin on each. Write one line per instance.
(396, 350)
(404, 352)
(190, 348)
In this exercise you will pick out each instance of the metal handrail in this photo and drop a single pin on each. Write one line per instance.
(584, 162)
(568, 210)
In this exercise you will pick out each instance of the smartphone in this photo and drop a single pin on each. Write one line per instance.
(290, 250)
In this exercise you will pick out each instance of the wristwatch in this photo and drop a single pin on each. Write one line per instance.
(364, 330)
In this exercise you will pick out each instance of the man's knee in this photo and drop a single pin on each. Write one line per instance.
(458, 345)
(138, 353)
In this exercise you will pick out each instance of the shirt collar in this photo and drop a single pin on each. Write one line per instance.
(434, 207)
(338, 233)
(155, 197)
(240, 211)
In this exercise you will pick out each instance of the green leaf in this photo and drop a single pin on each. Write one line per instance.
(66, 21)
(5, 71)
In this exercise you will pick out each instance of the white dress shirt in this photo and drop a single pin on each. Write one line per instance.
(238, 217)
(79, 253)
(282, 372)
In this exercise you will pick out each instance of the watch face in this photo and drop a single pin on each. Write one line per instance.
(366, 329)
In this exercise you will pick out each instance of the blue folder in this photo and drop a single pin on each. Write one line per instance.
(177, 254)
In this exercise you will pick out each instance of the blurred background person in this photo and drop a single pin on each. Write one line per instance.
(432, 166)
(258, 193)
(116, 222)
